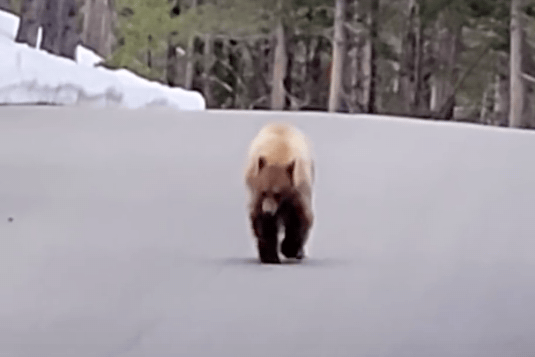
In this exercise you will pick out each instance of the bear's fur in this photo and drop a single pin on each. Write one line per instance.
(279, 177)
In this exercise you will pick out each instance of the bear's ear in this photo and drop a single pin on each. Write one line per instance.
(290, 170)
(261, 163)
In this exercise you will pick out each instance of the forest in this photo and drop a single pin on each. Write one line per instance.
(462, 60)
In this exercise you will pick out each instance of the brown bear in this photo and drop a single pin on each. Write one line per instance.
(279, 178)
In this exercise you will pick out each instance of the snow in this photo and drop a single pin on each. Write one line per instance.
(130, 238)
(29, 76)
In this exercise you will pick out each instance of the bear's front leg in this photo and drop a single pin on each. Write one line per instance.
(265, 227)
(294, 238)
(297, 225)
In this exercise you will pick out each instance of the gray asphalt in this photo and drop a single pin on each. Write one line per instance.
(129, 237)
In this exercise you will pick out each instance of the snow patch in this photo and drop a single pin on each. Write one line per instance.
(31, 76)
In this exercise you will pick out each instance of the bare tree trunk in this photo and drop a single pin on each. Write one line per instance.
(60, 35)
(444, 75)
(374, 10)
(171, 68)
(408, 56)
(5, 5)
(486, 105)
(278, 93)
(149, 51)
(188, 82)
(70, 35)
(174, 66)
(290, 53)
(30, 21)
(98, 25)
(190, 62)
(314, 74)
(354, 71)
(359, 70)
(355, 76)
(339, 51)
(247, 66)
(207, 84)
(418, 68)
(260, 54)
(518, 88)
(501, 100)
(51, 24)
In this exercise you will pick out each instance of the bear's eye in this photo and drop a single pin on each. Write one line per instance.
(277, 196)
(264, 193)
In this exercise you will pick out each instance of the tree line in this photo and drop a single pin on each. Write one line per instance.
(469, 60)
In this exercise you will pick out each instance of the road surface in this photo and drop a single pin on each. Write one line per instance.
(124, 233)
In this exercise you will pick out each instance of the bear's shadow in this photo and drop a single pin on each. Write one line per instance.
(308, 261)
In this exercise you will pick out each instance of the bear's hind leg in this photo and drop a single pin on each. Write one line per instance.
(266, 230)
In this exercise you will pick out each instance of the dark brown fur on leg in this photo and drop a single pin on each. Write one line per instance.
(296, 225)
(265, 228)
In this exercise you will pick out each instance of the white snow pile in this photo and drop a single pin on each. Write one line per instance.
(29, 76)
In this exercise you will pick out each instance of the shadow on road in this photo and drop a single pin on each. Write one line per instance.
(313, 262)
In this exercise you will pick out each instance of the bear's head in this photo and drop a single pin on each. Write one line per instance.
(274, 184)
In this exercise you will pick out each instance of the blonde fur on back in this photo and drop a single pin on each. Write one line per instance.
(280, 144)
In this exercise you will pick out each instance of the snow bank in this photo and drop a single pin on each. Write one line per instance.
(29, 76)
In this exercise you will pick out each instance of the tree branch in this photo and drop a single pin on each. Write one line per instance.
(528, 77)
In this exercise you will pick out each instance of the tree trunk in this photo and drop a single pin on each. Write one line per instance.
(207, 84)
(98, 26)
(354, 72)
(70, 36)
(501, 100)
(417, 100)
(365, 75)
(247, 71)
(290, 53)
(188, 81)
(314, 74)
(149, 51)
(373, 39)
(60, 35)
(30, 21)
(5, 5)
(444, 77)
(407, 64)
(51, 24)
(518, 89)
(339, 52)
(260, 55)
(171, 69)
(190, 61)
(278, 94)
(486, 105)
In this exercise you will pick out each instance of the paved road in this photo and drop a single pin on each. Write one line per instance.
(129, 238)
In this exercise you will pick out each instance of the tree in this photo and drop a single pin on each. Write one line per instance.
(30, 20)
(278, 92)
(208, 63)
(518, 88)
(5, 5)
(339, 52)
(58, 19)
(446, 52)
(410, 64)
(60, 33)
(372, 58)
(98, 26)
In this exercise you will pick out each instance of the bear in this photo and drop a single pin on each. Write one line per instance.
(279, 177)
